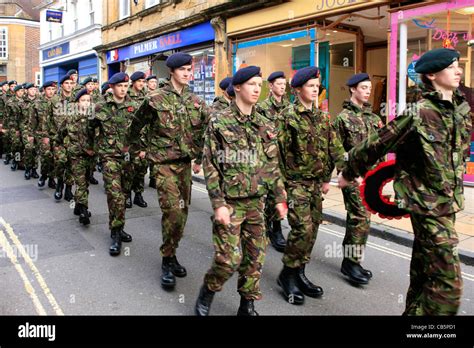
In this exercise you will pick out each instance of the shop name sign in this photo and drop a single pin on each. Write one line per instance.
(56, 51)
(54, 16)
(324, 5)
(453, 37)
(186, 37)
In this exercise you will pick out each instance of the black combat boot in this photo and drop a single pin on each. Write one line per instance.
(178, 270)
(204, 300)
(367, 273)
(289, 284)
(58, 194)
(92, 180)
(138, 200)
(51, 183)
(246, 308)
(306, 287)
(354, 272)
(116, 245)
(42, 180)
(128, 200)
(127, 238)
(27, 173)
(14, 166)
(7, 159)
(84, 215)
(34, 173)
(276, 236)
(168, 280)
(152, 183)
(68, 196)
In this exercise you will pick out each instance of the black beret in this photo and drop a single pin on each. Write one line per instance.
(179, 59)
(225, 83)
(245, 74)
(137, 75)
(275, 75)
(105, 86)
(12, 82)
(3, 83)
(230, 90)
(118, 78)
(303, 75)
(86, 80)
(436, 60)
(355, 79)
(80, 94)
(49, 84)
(94, 79)
(64, 78)
(151, 77)
(17, 88)
(29, 85)
(72, 71)
(24, 84)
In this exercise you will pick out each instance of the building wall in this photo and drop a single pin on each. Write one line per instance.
(32, 36)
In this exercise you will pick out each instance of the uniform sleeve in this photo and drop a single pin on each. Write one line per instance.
(336, 154)
(144, 115)
(211, 168)
(206, 112)
(367, 153)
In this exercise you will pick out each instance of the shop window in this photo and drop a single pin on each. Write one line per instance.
(3, 70)
(202, 83)
(3, 43)
(124, 8)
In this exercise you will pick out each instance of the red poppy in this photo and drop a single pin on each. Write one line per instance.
(130, 109)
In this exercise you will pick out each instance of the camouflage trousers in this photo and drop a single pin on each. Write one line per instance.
(31, 152)
(80, 171)
(117, 174)
(62, 165)
(270, 211)
(435, 272)
(240, 246)
(173, 184)
(18, 148)
(357, 224)
(7, 142)
(46, 159)
(305, 212)
(140, 167)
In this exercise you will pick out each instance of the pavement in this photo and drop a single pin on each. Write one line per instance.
(397, 230)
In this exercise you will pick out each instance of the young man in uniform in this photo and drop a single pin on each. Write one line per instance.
(429, 143)
(241, 165)
(355, 123)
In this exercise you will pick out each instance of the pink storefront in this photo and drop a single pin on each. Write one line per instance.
(417, 30)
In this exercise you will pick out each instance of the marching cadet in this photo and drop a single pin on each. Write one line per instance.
(309, 150)
(96, 90)
(137, 93)
(113, 116)
(105, 88)
(88, 84)
(151, 83)
(241, 166)
(272, 108)
(80, 151)
(230, 92)
(38, 128)
(429, 143)
(355, 123)
(56, 122)
(3, 145)
(29, 140)
(177, 119)
(223, 101)
(76, 87)
(15, 125)
(7, 133)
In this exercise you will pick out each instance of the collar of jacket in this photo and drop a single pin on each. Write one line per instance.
(349, 105)
(126, 101)
(429, 92)
(133, 93)
(277, 105)
(300, 108)
(244, 118)
(168, 87)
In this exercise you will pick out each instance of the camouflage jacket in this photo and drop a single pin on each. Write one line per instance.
(38, 116)
(15, 117)
(57, 120)
(272, 109)
(241, 157)
(3, 101)
(354, 124)
(113, 121)
(309, 145)
(77, 131)
(176, 125)
(28, 106)
(138, 97)
(220, 103)
(429, 144)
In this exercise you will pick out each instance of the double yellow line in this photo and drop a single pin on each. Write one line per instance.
(7, 247)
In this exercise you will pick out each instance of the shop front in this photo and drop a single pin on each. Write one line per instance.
(150, 56)
(415, 31)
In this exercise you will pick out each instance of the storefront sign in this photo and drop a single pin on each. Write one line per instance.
(56, 51)
(412, 74)
(54, 16)
(324, 5)
(186, 37)
(453, 37)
